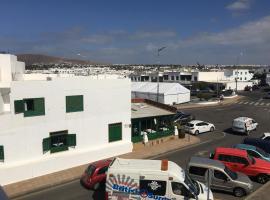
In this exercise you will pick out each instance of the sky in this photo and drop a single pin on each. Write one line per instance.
(131, 32)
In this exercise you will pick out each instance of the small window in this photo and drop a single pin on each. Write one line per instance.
(2, 156)
(241, 160)
(220, 175)
(74, 103)
(177, 78)
(199, 171)
(225, 158)
(115, 132)
(103, 170)
(18, 106)
(153, 186)
(172, 78)
(29, 105)
(59, 141)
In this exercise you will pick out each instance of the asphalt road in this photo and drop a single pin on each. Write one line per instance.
(221, 116)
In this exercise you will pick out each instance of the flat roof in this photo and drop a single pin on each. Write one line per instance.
(142, 110)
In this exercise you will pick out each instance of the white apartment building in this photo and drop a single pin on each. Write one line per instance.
(239, 74)
(59, 123)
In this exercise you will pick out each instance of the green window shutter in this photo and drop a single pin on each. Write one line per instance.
(19, 106)
(115, 132)
(38, 107)
(46, 144)
(71, 139)
(74, 103)
(2, 156)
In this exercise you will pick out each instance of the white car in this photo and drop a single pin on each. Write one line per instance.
(196, 126)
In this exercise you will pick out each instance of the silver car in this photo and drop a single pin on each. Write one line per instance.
(221, 178)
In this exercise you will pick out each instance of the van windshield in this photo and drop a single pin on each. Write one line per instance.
(193, 185)
(232, 174)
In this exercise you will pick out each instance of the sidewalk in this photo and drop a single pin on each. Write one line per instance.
(262, 193)
(140, 151)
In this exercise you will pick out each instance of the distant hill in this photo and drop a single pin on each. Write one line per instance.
(30, 59)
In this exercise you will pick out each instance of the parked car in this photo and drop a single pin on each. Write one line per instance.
(238, 160)
(265, 136)
(248, 88)
(222, 178)
(258, 142)
(182, 118)
(3, 195)
(244, 125)
(95, 174)
(253, 151)
(196, 126)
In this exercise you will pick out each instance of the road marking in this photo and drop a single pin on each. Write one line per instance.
(257, 103)
(240, 102)
(261, 104)
(252, 102)
(268, 104)
(246, 102)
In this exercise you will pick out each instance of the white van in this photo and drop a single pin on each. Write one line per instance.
(244, 125)
(151, 179)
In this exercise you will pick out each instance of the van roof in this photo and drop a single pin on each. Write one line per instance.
(242, 119)
(206, 162)
(141, 165)
(231, 151)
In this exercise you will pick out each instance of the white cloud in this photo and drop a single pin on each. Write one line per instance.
(239, 5)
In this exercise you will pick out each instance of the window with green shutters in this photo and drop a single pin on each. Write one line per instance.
(115, 132)
(58, 141)
(74, 103)
(2, 156)
(30, 107)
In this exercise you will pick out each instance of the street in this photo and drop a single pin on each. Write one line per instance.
(220, 116)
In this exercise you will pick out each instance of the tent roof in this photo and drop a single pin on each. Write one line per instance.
(164, 88)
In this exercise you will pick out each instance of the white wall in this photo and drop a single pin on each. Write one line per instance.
(241, 74)
(240, 85)
(105, 102)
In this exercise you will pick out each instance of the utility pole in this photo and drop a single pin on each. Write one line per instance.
(158, 51)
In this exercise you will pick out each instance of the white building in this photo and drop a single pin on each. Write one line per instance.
(55, 124)
(167, 93)
(239, 74)
(208, 76)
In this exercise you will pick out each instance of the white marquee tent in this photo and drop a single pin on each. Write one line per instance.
(169, 93)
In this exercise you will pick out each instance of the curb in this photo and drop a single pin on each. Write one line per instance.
(256, 192)
(62, 182)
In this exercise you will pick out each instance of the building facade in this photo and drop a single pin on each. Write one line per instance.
(60, 123)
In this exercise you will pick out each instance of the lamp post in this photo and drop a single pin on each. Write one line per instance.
(237, 63)
(158, 51)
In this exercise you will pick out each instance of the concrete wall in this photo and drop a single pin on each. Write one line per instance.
(105, 102)
(240, 85)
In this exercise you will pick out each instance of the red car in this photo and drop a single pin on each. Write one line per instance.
(238, 160)
(95, 174)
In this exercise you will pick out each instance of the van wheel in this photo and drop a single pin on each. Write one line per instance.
(239, 192)
(96, 186)
(212, 129)
(196, 132)
(262, 178)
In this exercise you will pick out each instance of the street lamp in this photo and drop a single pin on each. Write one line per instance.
(237, 63)
(158, 51)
